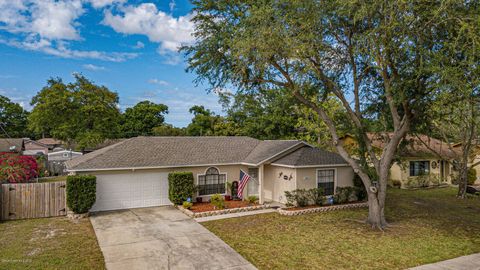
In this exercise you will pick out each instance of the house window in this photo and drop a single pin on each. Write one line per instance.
(212, 182)
(419, 168)
(326, 180)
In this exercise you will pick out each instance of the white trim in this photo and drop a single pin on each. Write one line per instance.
(310, 166)
(153, 167)
(335, 174)
(219, 173)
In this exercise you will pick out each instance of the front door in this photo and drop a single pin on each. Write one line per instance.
(253, 183)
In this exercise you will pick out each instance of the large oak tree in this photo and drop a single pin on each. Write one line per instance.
(366, 54)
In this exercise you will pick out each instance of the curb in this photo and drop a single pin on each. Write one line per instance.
(220, 212)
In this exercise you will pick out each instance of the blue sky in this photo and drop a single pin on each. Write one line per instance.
(128, 46)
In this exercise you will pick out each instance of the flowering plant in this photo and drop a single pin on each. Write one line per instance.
(16, 168)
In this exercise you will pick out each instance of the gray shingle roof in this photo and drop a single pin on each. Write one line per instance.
(6, 144)
(144, 152)
(310, 156)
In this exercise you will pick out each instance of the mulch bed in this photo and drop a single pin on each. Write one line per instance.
(205, 206)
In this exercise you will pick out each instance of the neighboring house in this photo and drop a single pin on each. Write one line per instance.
(34, 148)
(420, 158)
(134, 172)
(12, 145)
(62, 155)
(474, 158)
(51, 143)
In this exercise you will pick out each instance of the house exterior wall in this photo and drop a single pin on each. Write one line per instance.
(232, 171)
(400, 171)
(274, 183)
(476, 168)
(307, 177)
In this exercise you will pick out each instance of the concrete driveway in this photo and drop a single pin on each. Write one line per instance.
(161, 238)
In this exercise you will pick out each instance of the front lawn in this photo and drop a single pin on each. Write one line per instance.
(49, 243)
(427, 226)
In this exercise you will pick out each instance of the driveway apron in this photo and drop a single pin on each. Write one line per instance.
(161, 238)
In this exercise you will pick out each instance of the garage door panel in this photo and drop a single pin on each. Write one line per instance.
(133, 190)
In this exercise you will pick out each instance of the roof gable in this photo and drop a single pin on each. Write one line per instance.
(12, 145)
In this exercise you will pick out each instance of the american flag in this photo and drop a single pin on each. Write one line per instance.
(244, 178)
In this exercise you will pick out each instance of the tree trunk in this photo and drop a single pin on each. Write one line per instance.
(462, 181)
(376, 204)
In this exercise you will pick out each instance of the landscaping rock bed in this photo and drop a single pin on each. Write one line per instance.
(221, 212)
(286, 212)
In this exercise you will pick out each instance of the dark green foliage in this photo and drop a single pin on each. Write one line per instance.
(298, 197)
(81, 192)
(346, 194)
(218, 201)
(471, 176)
(252, 199)
(187, 205)
(80, 113)
(142, 118)
(13, 119)
(181, 186)
(316, 195)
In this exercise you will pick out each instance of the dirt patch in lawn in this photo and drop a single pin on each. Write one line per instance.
(49, 243)
(205, 206)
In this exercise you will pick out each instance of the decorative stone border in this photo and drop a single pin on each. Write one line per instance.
(221, 212)
(71, 215)
(283, 211)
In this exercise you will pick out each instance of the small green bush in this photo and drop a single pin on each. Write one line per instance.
(252, 199)
(397, 183)
(316, 196)
(298, 197)
(362, 192)
(181, 186)
(81, 192)
(187, 205)
(218, 201)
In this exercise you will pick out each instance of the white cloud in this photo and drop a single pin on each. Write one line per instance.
(59, 48)
(104, 3)
(139, 45)
(158, 26)
(47, 26)
(47, 19)
(158, 82)
(93, 67)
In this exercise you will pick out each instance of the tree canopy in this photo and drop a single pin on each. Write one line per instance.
(13, 119)
(142, 118)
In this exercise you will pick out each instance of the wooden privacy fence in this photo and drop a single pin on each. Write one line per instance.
(33, 200)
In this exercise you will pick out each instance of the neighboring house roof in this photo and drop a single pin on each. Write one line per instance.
(415, 145)
(50, 141)
(154, 152)
(12, 145)
(310, 156)
(61, 152)
(34, 145)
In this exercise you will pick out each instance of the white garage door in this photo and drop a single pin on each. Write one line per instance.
(131, 190)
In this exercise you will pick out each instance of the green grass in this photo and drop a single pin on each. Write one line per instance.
(53, 179)
(49, 243)
(427, 226)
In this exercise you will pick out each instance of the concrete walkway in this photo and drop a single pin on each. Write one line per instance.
(469, 262)
(234, 215)
(161, 238)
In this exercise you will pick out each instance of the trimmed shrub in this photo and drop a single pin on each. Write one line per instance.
(218, 201)
(181, 186)
(316, 196)
(187, 205)
(297, 197)
(81, 192)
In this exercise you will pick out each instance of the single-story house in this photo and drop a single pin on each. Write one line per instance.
(9, 145)
(419, 156)
(134, 172)
(34, 148)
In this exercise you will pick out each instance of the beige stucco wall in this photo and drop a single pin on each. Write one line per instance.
(307, 177)
(401, 171)
(476, 168)
(232, 171)
(275, 185)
